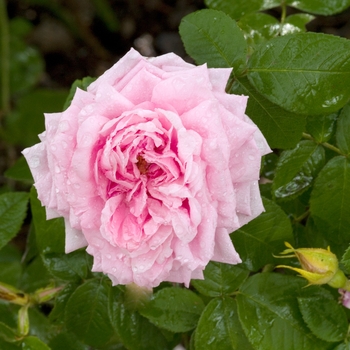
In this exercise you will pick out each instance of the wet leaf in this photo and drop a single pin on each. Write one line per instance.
(297, 169)
(282, 129)
(220, 279)
(219, 327)
(174, 309)
(13, 209)
(214, 38)
(343, 130)
(325, 317)
(321, 127)
(86, 313)
(235, 8)
(269, 312)
(330, 200)
(320, 7)
(303, 73)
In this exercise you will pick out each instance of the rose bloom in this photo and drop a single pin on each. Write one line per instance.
(344, 297)
(152, 167)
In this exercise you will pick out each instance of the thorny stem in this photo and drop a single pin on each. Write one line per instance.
(4, 59)
(324, 144)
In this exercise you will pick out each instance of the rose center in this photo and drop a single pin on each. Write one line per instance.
(142, 165)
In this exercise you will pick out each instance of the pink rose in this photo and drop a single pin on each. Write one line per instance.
(151, 168)
(344, 297)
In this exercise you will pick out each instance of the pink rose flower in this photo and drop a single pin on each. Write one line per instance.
(152, 167)
(344, 297)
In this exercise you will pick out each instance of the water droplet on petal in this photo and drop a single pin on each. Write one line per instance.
(34, 162)
(57, 169)
(63, 125)
(251, 157)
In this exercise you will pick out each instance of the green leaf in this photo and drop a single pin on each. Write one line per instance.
(29, 279)
(66, 341)
(20, 171)
(8, 346)
(268, 4)
(33, 343)
(257, 241)
(303, 73)
(269, 313)
(320, 7)
(330, 200)
(86, 313)
(219, 327)
(50, 236)
(132, 327)
(57, 314)
(235, 8)
(325, 317)
(220, 279)
(346, 259)
(214, 38)
(10, 265)
(13, 209)
(282, 129)
(7, 333)
(297, 169)
(79, 83)
(343, 346)
(296, 23)
(343, 130)
(70, 266)
(29, 114)
(321, 127)
(174, 309)
(259, 27)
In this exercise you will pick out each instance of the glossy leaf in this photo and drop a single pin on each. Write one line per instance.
(343, 130)
(66, 341)
(303, 73)
(259, 27)
(33, 343)
(346, 259)
(321, 127)
(325, 317)
(132, 327)
(330, 200)
(70, 266)
(296, 23)
(235, 8)
(214, 38)
(257, 241)
(282, 129)
(50, 236)
(220, 279)
(297, 169)
(343, 346)
(320, 7)
(174, 309)
(13, 209)
(10, 265)
(86, 313)
(269, 312)
(219, 327)
(268, 4)
(57, 314)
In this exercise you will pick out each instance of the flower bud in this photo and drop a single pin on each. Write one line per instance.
(13, 295)
(319, 266)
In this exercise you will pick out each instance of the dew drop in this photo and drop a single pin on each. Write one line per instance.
(185, 261)
(108, 256)
(63, 125)
(76, 185)
(251, 157)
(64, 144)
(53, 148)
(114, 269)
(57, 190)
(57, 169)
(34, 162)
